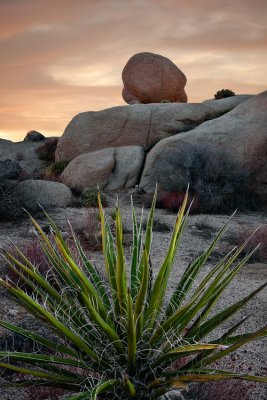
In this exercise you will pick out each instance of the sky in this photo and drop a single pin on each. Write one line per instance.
(62, 57)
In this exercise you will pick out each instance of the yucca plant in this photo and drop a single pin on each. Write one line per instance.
(119, 337)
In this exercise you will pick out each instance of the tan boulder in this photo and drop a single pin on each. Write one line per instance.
(152, 78)
(112, 168)
(140, 124)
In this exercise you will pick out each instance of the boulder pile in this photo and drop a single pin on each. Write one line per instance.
(218, 147)
(233, 130)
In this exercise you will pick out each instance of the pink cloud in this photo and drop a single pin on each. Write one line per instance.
(60, 57)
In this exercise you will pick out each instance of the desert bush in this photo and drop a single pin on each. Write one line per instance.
(221, 94)
(53, 171)
(112, 214)
(58, 167)
(32, 250)
(89, 198)
(173, 201)
(89, 232)
(120, 336)
(10, 206)
(167, 101)
(46, 152)
(217, 182)
(9, 169)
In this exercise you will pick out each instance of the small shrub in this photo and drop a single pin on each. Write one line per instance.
(217, 182)
(221, 94)
(10, 206)
(112, 214)
(32, 250)
(89, 198)
(173, 201)
(120, 334)
(9, 169)
(53, 171)
(167, 101)
(89, 231)
(46, 152)
(34, 253)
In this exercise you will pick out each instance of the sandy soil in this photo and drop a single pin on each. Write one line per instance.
(200, 230)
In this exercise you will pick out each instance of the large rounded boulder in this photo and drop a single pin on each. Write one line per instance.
(240, 135)
(152, 78)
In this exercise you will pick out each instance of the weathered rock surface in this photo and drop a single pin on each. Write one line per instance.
(216, 108)
(112, 168)
(141, 125)
(151, 78)
(33, 193)
(25, 154)
(242, 133)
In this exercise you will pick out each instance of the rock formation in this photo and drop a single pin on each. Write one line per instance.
(217, 140)
(141, 125)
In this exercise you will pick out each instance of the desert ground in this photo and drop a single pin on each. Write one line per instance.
(199, 232)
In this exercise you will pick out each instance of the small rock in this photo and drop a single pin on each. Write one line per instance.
(9, 169)
(34, 136)
(36, 193)
(13, 312)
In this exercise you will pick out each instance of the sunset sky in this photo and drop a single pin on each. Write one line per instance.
(62, 57)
